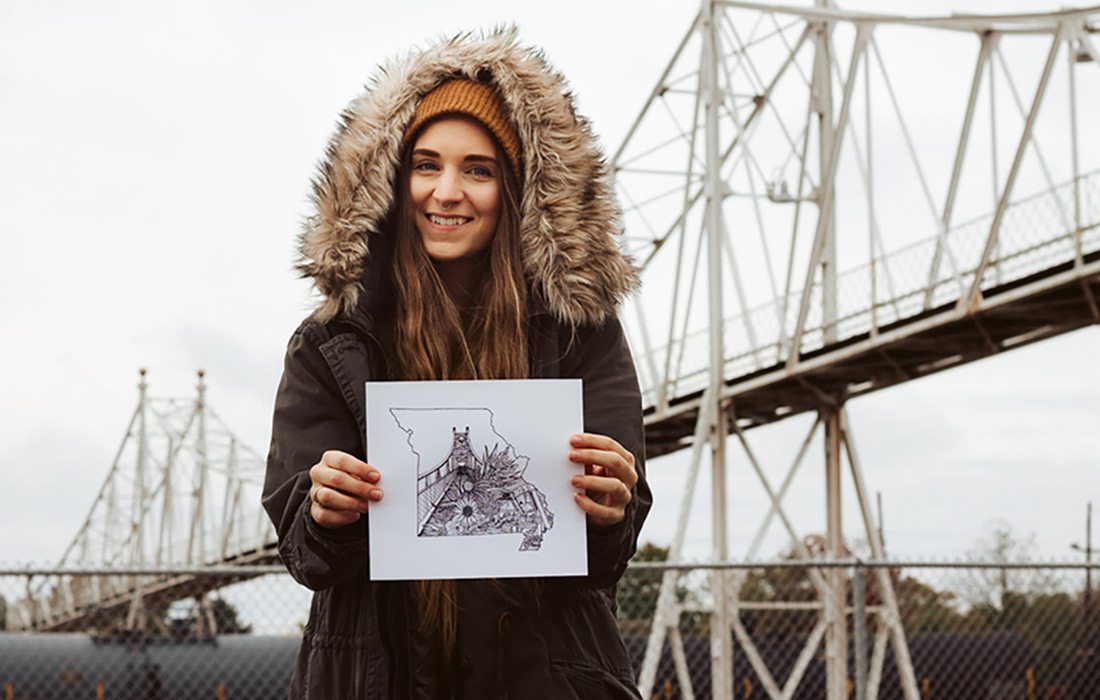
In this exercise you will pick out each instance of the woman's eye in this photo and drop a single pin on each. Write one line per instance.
(480, 171)
(425, 165)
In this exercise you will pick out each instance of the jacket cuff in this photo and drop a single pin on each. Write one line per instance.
(340, 540)
(610, 547)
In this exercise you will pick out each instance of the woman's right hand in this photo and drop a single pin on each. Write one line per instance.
(342, 488)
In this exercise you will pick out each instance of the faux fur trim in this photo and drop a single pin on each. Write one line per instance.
(570, 220)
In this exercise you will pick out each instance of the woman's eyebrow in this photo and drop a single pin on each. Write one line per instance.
(473, 157)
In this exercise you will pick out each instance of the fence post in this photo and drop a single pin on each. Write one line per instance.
(859, 619)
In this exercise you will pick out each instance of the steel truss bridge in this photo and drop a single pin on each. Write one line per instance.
(182, 493)
(828, 203)
(821, 210)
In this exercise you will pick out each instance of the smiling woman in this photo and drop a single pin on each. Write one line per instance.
(455, 188)
(461, 292)
(465, 229)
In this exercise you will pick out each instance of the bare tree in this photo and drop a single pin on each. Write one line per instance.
(1000, 544)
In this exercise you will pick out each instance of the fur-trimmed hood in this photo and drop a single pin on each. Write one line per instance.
(569, 218)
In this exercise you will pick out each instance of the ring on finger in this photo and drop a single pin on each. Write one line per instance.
(624, 493)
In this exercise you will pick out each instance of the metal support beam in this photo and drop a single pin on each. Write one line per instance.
(825, 221)
(891, 617)
(721, 644)
(859, 630)
(973, 299)
(196, 543)
(666, 615)
(988, 44)
(836, 633)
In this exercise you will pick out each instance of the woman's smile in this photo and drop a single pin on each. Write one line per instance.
(447, 222)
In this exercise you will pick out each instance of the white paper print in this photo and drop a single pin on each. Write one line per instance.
(476, 478)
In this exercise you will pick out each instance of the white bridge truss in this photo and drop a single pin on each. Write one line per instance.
(182, 493)
(827, 203)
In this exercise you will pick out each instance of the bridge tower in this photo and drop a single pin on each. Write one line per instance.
(182, 493)
(778, 190)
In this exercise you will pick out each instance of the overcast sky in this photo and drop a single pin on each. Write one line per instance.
(154, 165)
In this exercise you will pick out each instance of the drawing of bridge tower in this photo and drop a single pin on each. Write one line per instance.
(432, 486)
(466, 494)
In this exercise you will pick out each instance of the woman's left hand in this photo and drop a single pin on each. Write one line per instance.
(608, 480)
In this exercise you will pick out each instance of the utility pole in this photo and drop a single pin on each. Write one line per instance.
(1086, 661)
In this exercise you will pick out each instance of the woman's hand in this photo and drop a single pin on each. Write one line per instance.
(609, 477)
(342, 488)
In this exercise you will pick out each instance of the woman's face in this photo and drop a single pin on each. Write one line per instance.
(455, 188)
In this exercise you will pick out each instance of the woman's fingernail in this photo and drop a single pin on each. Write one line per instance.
(376, 495)
(576, 481)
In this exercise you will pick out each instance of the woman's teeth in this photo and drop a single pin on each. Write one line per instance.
(447, 220)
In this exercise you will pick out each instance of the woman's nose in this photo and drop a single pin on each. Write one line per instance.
(448, 190)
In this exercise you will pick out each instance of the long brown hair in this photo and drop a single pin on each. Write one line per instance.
(435, 339)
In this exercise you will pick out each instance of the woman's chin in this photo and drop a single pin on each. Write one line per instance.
(444, 254)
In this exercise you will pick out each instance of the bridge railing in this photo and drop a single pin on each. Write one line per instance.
(1036, 234)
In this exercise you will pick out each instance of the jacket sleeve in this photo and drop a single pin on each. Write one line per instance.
(310, 417)
(601, 357)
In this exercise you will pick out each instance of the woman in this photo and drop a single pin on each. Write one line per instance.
(464, 228)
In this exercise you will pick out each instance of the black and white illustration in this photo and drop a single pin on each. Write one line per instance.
(477, 479)
(478, 487)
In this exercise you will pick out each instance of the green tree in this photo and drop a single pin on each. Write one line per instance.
(639, 590)
(155, 614)
(923, 608)
(160, 620)
(226, 617)
(779, 585)
(215, 611)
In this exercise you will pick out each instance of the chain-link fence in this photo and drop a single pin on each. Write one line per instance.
(964, 630)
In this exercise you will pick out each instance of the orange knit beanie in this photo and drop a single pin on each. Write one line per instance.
(476, 100)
